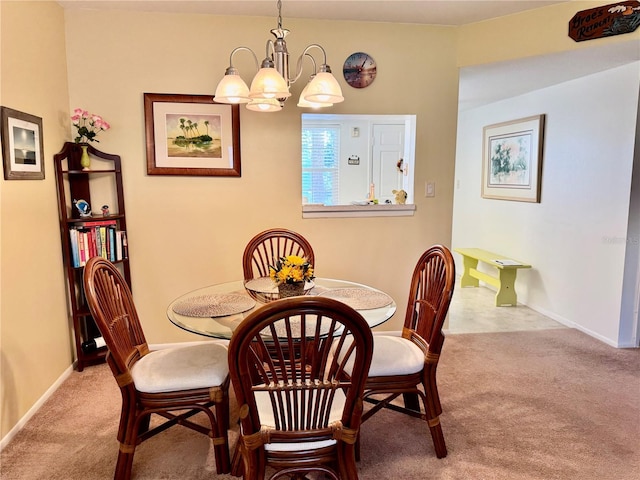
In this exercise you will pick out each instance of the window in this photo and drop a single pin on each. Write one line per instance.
(347, 157)
(320, 164)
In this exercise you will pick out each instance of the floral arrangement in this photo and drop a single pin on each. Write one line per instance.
(291, 269)
(88, 125)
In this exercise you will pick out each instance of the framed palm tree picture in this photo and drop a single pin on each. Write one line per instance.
(191, 135)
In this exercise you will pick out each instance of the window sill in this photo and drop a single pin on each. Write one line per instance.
(385, 210)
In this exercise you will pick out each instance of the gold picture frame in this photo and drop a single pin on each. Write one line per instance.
(191, 135)
(512, 159)
(22, 145)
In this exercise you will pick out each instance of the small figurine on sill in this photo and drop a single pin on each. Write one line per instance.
(105, 210)
(401, 196)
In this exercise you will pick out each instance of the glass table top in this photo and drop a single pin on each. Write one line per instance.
(217, 310)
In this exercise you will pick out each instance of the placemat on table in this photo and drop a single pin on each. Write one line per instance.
(359, 298)
(214, 305)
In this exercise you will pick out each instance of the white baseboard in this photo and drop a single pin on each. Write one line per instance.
(36, 406)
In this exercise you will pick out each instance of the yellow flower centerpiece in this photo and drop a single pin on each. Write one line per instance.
(290, 274)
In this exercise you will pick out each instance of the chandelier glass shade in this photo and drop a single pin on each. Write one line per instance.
(270, 86)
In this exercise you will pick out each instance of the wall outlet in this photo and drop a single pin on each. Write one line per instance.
(429, 189)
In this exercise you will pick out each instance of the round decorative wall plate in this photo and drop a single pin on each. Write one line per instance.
(359, 69)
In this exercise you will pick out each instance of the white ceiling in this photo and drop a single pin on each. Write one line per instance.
(434, 12)
(478, 85)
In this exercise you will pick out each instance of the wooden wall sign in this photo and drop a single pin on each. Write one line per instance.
(605, 21)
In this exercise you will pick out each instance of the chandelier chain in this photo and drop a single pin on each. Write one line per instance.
(279, 4)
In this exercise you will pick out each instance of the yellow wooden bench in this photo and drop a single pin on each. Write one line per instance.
(504, 282)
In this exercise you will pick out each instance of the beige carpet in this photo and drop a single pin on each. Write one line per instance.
(539, 405)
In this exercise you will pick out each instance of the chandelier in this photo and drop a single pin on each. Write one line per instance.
(270, 86)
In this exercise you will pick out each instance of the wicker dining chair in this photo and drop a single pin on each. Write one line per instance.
(298, 412)
(403, 364)
(267, 247)
(188, 379)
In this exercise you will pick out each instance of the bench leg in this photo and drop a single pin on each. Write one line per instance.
(467, 280)
(506, 294)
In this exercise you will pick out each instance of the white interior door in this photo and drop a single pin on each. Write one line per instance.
(388, 149)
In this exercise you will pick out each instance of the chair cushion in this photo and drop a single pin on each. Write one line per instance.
(181, 368)
(394, 355)
(265, 411)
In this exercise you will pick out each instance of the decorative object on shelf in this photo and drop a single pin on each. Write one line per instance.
(85, 159)
(270, 86)
(290, 274)
(359, 70)
(93, 344)
(401, 196)
(83, 207)
(22, 146)
(191, 135)
(512, 159)
(105, 210)
(88, 125)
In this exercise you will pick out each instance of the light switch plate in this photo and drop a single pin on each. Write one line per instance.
(429, 189)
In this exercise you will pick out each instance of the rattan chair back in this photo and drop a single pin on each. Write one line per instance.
(174, 396)
(414, 375)
(291, 386)
(430, 295)
(267, 247)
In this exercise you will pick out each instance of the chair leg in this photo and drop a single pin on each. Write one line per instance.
(411, 401)
(237, 468)
(125, 462)
(223, 461)
(438, 438)
(131, 422)
(347, 461)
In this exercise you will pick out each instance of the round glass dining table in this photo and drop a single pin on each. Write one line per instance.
(217, 310)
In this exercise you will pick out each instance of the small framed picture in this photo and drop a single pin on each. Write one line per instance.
(512, 160)
(22, 147)
(191, 135)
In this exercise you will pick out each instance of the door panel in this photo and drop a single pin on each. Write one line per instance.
(388, 149)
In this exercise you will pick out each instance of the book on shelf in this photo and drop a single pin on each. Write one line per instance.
(119, 244)
(96, 223)
(75, 253)
(106, 242)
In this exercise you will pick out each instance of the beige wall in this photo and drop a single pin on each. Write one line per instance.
(535, 32)
(35, 346)
(188, 232)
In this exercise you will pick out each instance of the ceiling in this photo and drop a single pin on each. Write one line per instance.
(433, 12)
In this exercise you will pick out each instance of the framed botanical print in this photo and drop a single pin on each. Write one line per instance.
(512, 159)
(22, 145)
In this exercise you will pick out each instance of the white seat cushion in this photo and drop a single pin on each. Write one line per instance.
(181, 368)
(265, 411)
(394, 355)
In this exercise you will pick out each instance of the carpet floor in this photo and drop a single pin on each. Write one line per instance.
(537, 405)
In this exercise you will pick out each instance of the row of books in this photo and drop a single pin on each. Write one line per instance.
(90, 239)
